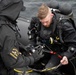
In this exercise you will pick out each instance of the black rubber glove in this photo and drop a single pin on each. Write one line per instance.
(37, 55)
(30, 48)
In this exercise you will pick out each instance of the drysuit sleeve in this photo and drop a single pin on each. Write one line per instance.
(10, 53)
(12, 57)
(69, 37)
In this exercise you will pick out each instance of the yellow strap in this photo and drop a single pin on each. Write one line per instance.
(18, 71)
(29, 71)
(57, 38)
(51, 40)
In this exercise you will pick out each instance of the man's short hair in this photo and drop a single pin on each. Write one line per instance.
(42, 11)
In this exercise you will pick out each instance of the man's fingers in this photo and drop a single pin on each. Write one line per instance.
(64, 60)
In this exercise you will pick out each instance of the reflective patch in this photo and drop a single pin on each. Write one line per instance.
(51, 40)
(57, 38)
(19, 71)
(15, 53)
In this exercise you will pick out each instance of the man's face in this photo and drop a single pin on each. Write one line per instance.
(47, 20)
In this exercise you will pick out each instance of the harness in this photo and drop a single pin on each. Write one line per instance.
(60, 19)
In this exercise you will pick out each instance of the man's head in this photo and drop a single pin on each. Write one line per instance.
(11, 8)
(45, 15)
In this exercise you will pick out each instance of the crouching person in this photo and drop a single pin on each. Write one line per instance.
(12, 61)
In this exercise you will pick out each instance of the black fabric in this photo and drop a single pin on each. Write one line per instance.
(37, 55)
(7, 6)
(31, 60)
(3, 69)
(54, 61)
(70, 52)
(67, 35)
(9, 43)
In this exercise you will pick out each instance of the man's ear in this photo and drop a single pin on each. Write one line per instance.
(51, 14)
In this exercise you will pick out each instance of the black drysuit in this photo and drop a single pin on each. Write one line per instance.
(11, 57)
(62, 33)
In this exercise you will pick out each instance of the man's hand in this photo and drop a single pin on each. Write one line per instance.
(30, 48)
(64, 60)
(37, 55)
